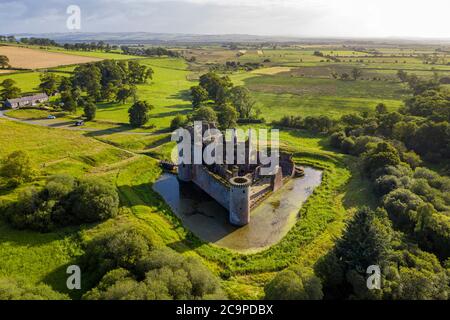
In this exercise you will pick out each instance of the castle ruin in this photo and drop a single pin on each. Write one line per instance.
(237, 187)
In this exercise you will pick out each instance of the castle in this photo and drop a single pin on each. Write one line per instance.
(237, 187)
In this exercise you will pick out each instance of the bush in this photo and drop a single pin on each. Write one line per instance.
(401, 204)
(12, 289)
(178, 122)
(94, 200)
(336, 139)
(386, 184)
(347, 145)
(122, 249)
(295, 283)
(16, 167)
(63, 201)
(161, 274)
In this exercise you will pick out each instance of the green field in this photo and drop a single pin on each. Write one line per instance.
(127, 158)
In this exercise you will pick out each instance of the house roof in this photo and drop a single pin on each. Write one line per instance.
(39, 96)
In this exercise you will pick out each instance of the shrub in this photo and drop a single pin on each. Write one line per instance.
(17, 168)
(63, 201)
(386, 184)
(337, 138)
(161, 274)
(295, 283)
(178, 122)
(122, 249)
(94, 200)
(12, 289)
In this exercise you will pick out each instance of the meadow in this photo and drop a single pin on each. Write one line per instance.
(293, 82)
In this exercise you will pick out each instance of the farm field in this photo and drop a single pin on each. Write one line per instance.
(291, 82)
(25, 58)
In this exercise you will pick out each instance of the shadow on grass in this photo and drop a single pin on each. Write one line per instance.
(184, 95)
(117, 129)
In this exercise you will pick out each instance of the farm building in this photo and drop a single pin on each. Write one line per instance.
(26, 101)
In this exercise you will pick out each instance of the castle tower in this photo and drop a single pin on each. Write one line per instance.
(240, 200)
(185, 172)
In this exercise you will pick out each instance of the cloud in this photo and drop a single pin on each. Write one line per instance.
(363, 18)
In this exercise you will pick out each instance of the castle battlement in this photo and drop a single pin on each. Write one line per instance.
(237, 187)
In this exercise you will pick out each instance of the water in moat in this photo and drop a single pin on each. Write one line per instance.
(270, 221)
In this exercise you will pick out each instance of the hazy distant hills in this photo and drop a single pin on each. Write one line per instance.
(146, 37)
(161, 38)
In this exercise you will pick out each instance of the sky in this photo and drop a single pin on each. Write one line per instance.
(304, 18)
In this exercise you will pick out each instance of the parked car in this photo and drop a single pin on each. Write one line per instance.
(51, 117)
(79, 123)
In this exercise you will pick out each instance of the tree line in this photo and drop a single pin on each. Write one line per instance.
(217, 100)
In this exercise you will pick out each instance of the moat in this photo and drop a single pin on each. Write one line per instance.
(270, 221)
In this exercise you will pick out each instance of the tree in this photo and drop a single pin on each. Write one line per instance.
(9, 91)
(295, 283)
(241, 99)
(198, 96)
(138, 73)
(125, 92)
(337, 138)
(88, 77)
(366, 240)
(68, 102)
(94, 200)
(65, 84)
(17, 167)
(178, 122)
(381, 108)
(139, 113)
(120, 249)
(216, 86)
(63, 201)
(4, 62)
(90, 110)
(402, 75)
(383, 155)
(163, 275)
(205, 114)
(49, 83)
(227, 117)
(356, 73)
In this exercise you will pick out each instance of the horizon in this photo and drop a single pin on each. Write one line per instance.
(320, 19)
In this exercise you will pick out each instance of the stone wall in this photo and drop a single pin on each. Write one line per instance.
(212, 186)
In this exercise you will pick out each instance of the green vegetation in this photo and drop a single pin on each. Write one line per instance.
(138, 249)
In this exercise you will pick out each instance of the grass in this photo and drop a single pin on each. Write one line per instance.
(143, 209)
(49, 148)
(274, 106)
(28, 82)
(128, 161)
